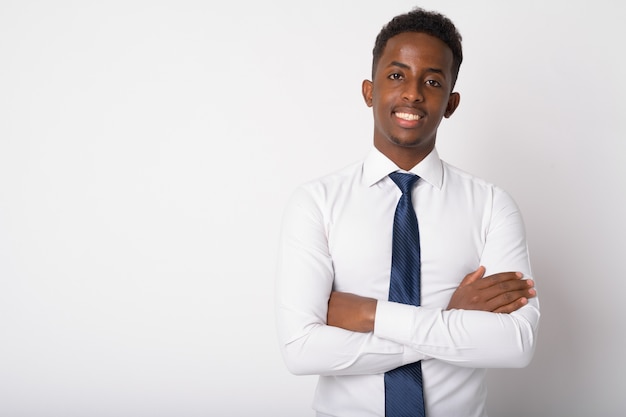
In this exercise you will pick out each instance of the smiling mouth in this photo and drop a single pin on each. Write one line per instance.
(408, 116)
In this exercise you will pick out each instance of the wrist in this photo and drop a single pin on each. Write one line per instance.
(368, 314)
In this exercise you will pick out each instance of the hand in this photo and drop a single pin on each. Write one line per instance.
(500, 293)
(351, 312)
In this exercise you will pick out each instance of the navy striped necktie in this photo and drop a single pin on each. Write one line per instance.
(403, 386)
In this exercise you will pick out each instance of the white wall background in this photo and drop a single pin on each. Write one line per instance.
(147, 149)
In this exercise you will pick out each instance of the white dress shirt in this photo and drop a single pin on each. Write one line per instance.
(337, 235)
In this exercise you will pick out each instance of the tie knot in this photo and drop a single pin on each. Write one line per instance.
(404, 181)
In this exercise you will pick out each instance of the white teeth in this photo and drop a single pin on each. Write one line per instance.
(408, 116)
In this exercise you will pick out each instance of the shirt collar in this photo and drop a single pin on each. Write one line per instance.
(377, 166)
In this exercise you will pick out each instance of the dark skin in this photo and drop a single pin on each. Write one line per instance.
(411, 92)
(499, 293)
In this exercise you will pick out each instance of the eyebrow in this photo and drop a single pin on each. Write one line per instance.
(399, 64)
(405, 66)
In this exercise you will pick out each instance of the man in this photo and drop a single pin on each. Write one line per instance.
(345, 242)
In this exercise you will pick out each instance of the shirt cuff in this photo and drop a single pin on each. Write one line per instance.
(394, 322)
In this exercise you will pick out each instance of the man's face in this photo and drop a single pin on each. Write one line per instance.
(411, 93)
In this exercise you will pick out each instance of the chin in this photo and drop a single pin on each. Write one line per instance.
(406, 143)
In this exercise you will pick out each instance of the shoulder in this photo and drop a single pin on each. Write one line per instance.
(457, 176)
(332, 184)
(464, 183)
(317, 194)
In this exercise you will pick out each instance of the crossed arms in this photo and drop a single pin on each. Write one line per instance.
(326, 329)
(499, 293)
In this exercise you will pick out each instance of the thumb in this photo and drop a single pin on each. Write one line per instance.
(473, 276)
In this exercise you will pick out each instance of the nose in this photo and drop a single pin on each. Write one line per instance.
(413, 91)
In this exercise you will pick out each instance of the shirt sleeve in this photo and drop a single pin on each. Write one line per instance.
(474, 338)
(304, 283)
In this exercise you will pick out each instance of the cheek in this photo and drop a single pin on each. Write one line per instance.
(381, 104)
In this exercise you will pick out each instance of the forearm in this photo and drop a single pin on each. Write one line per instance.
(457, 336)
(462, 337)
(319, 349)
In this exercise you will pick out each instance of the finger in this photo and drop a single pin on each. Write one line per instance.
(496, 281)
(504, 276)
(473, 276)
(504, 299)
(501, 279)
(511, 286)
(513, 306)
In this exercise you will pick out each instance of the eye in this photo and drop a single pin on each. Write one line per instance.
(433, 83)
(395, 76)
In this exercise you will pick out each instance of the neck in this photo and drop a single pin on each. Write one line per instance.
(404, 158)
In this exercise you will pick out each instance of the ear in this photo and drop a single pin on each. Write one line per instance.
(367, 88)
(453, 103)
